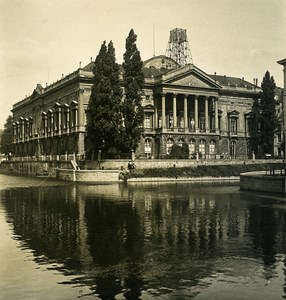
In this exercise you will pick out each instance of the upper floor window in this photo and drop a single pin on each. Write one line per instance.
(233, 121)
(148, 121)
(233, 125)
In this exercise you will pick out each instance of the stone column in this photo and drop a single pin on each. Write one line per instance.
(196, 114)
(186, 111)
(22, 129)
(68, 120)
(175, 111)
(216, 116)
(76, 118)
(45, 126)
(155, 113)
(14, 133)
(52, 124)
(207, 114)
(27, 130)
(163, 111)
(60, 121)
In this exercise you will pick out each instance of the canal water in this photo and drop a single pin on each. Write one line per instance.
(140, 241)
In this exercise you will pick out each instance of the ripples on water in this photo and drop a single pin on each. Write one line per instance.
(147, 241)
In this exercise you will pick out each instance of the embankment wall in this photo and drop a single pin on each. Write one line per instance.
(33, 168)
(116, 164)
(94, 176)
(258, 181)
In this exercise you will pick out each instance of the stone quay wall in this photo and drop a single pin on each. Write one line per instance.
(117, 164)
(92, 176)
(34, 168)
(259, 181)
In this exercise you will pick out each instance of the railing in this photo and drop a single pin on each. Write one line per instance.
(64, 157)
(276, 172)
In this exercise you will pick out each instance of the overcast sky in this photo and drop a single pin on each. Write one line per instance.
(43, 39)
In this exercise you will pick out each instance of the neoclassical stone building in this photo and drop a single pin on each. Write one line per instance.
(211, 113)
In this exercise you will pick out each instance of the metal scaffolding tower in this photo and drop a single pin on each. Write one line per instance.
(178, 47)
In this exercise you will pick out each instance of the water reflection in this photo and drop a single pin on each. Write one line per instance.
(152, 240)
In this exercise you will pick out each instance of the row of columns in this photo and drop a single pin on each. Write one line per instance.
(54, 121)
(23, 128)
(207, 125)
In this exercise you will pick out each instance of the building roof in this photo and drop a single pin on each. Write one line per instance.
(231, 81)
(282, 62)
(89, 67)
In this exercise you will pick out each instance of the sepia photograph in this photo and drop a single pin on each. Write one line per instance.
(142, 149)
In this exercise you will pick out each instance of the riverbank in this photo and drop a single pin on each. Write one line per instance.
(202, 172)
(224, 170)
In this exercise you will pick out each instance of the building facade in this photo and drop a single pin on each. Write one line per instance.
(211, 113)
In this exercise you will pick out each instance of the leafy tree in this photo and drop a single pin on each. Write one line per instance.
(179, 151)
(255, 135)
(268, 117)
(103, 117)
(6, 145)
(133, 80)
(264, 118)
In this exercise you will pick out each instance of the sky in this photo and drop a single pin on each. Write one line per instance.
(43, 39)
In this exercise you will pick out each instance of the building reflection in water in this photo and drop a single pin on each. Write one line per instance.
(128, 239)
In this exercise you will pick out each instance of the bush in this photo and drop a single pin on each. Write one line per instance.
(205, 171)
(179, 151)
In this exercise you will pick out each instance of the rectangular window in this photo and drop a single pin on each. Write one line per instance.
(233, 125)
(147, 121)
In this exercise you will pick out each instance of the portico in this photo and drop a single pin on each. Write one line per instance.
(186, 112)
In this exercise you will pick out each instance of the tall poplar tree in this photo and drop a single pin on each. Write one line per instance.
(133, 80)
(6, 145)
(268, 117)
(103, 115)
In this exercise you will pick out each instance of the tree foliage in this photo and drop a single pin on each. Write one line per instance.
(264, 117)
(6, 145)
(268, 117)
(133, 80)
(104, 117)
(179, 151)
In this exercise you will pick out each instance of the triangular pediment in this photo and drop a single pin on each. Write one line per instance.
(233, 113)
(191, 76)
(150, 106)
(37, 91)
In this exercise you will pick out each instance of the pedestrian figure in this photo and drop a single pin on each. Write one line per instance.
(131, 165)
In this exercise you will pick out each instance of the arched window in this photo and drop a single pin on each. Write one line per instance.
(202, 147)
(212, 147)
(232, 149)
(181, 142)
(147, 147)
(192, 147)
(170, 143)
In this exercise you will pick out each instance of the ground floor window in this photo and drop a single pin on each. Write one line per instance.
(147, 149)
(212, 147)
(202, 147)
(170, 143)
(181, 142)
(232, 148)
(192, 147)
